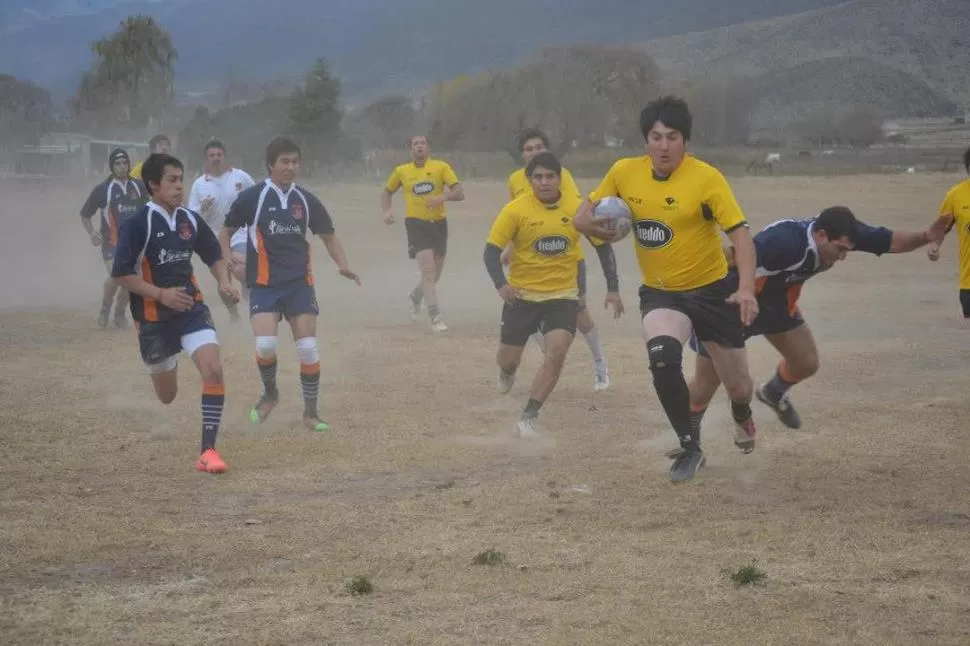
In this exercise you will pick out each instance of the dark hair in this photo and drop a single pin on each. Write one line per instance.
(157, 139)
(532, 133)
(966, 160)
(280, 146)
(411, 139)
(670, 111)
(546, 160)
(214, 143)
(154, 168)
(837, 222)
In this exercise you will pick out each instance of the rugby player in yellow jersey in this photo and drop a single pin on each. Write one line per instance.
(157, 144)
(678, 204)
(956, 209)
(532, 142)
(428, 184)
(541, 291)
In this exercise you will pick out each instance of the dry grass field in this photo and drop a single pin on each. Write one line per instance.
(860, 520)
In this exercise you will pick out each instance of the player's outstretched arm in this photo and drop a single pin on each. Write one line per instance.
(386, 206)
(96, 200)
(336, 250)
(493, 265)
(225, 240)
(589, 227)
(746, 261)
(604, 251)
(454, 193)
(946, 222)
(209, 247)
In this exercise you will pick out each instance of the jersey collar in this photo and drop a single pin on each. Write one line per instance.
(154, 207)
(283, 195)
(225, 172)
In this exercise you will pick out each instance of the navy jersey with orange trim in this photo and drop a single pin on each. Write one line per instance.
(787, 257)
(117, 201)
(277, 249)
(159, 247)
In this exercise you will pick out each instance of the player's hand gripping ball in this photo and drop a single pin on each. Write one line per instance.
(616, 215)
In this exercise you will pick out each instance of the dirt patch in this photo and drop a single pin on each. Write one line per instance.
(110, 535)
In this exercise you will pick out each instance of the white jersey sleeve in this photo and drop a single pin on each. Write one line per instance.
(195, 202)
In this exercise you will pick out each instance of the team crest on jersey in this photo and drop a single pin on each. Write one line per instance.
(297, 211)
(423, 188)
(551, 245)
(185, 230)
(238, 186)
(652, 234)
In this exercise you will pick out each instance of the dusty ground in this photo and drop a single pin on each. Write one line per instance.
(860, 520)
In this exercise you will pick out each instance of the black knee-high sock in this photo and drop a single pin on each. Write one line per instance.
(674, 396)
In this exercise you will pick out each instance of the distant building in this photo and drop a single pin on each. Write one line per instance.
(66, 154)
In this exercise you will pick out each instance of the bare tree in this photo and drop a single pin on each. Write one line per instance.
(132, 81)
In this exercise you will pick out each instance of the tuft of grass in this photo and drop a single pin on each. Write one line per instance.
(359, 586)
(747, 575)
(489, 557)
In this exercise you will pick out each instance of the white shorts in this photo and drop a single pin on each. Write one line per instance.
(190, 343)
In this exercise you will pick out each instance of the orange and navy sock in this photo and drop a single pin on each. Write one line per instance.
(213, 400)
(310, 380)
(780, 383)
(267, 372)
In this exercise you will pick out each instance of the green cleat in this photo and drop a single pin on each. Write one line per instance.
(316, 425)
(262, 409)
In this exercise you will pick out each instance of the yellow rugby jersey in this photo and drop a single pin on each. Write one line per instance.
(957, 204)
(519, 184)
(545, 246)
(419, 184)
(136, 171)
(675, 220)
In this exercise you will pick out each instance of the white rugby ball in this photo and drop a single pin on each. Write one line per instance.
(616, 215)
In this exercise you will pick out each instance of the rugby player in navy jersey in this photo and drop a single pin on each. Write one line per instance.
(278, 214)
(154, 262)
(116, 199)
(789, 252)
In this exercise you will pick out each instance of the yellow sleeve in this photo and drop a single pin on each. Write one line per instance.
(947, 207)
(511, 187)
(569, 186)
(504, 228)
(448, 177)
(607, 187)
(394, 181)
(720, 199)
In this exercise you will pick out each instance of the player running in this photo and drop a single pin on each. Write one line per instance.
(428, 184)
(157, 144)
(154, 262)
(212, 194)
(541, 292)
(117, 198)
(532, 142)
(790, 252)
(956, 211)
(278, 214)
(678, 203)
